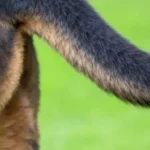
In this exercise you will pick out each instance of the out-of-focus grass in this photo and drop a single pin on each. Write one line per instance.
(74, 113)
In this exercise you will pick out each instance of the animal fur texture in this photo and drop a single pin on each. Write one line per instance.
(83, 38)
(19, 92)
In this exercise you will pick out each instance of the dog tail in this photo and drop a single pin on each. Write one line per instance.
(89, 44)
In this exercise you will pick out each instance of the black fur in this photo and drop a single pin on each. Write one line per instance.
(33, 144)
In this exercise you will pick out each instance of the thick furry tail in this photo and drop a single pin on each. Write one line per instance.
(83, 38)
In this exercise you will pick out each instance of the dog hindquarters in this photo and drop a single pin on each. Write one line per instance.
(18, 123)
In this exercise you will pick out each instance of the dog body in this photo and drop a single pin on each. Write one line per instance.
(83, 38)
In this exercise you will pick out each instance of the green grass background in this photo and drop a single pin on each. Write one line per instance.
(74, 113)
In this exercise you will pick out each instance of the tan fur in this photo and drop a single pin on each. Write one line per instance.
(5, 24)
(16, 122)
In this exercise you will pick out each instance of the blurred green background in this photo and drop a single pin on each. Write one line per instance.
(75, 114)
